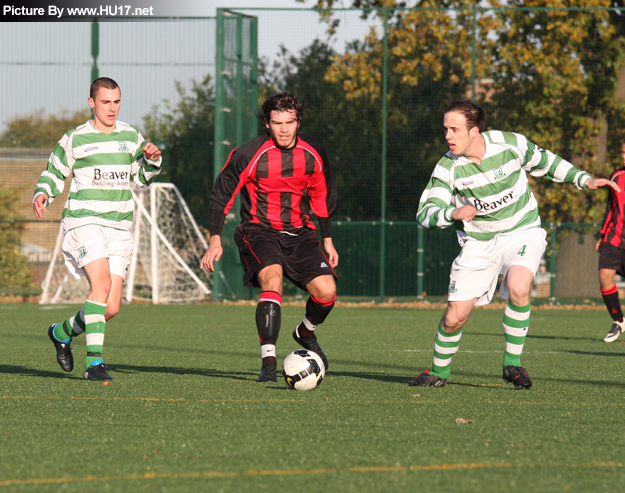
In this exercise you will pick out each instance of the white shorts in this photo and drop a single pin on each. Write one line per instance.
(88, 243)
(475, 271)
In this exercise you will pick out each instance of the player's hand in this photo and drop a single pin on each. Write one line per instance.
(598, 245)
(151, 151)
(213, 254)
(595, 183)
(39, 206)
(332, 254)
(466, 213)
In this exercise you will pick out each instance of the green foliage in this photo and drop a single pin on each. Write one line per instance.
(14, 271)
(38, 131)
(185, 135)
(556, 76)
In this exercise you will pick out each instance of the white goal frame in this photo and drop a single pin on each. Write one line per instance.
(143, 219)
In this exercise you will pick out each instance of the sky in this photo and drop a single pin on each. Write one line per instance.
(46, 65)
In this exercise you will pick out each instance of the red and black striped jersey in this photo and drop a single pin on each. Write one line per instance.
(273, 182)
(612, 230)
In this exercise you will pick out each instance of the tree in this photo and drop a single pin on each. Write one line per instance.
(39, 131)
(349, 126)
(14, 271)
(554, 76)
(185, 135)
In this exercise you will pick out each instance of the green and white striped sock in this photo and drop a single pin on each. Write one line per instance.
(516, 321)
(72, 327)
(445, 346)
(95, 325)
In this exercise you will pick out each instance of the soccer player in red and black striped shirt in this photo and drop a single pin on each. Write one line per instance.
(611, 248)
(273, 173)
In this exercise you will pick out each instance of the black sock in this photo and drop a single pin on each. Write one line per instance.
(610, 298)
(316, 313)
(268, 319)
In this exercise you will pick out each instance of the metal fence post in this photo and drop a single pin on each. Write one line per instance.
(219, 154)
(95, 49)
(552, 262)
(474, 54)
(420, 252)
(383, 184)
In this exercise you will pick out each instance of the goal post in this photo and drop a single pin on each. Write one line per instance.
(165, 264)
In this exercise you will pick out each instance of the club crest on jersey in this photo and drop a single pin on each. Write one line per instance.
(499, 174)
(452, 288)
(82, 251)
(123, 147)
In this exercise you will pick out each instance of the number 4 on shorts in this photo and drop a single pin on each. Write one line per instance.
(521, 252)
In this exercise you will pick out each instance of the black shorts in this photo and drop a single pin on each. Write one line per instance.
(300, 255)
(611, 257)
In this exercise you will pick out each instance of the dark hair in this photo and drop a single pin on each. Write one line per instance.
(281, 101)
(475, 116)
(102, 82)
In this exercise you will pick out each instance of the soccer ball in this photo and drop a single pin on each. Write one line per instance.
(303, 370)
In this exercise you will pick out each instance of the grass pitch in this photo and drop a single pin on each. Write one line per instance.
(185, 413)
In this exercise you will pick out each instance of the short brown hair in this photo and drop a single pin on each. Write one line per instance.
(102, 82)
(475, 116)
(281, 101)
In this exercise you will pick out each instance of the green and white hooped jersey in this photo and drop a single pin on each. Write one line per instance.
(104, 164)
(498, 188)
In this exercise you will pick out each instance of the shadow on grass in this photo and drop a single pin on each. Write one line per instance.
(595, 353)
(369, 376)
(202, 372)
(33, 372)
(536, 380)
(533, 336)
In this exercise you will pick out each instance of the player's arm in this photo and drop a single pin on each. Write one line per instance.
(333, 256)
(322, 189)
(227, 186)
(52, 180)
(596, 183)
(435, 209)
(213, 254)
(324, 205)
(39, 205)
(543, 163)
(607, 217)
(147, 162)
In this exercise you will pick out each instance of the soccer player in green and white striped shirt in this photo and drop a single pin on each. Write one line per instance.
(482, 181)
(104, 155)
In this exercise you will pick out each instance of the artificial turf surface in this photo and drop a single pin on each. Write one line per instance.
(185, 413)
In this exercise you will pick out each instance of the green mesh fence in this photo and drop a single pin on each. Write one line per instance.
(235, 123)
(375, 89)
(375, 101)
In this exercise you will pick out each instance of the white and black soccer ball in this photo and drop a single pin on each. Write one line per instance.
(303, 370)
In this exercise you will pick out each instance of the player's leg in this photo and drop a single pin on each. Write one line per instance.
(61, 335)
(120, 247)
(99, 277)
(80, 246)
(261, 258)
(611, 263)
(322, 290)
(114, 301)
(473, 280)
(306, 266)
(521, 261)
(268, 319)
(446, 344)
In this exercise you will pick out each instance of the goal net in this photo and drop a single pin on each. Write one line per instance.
(165, 265)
